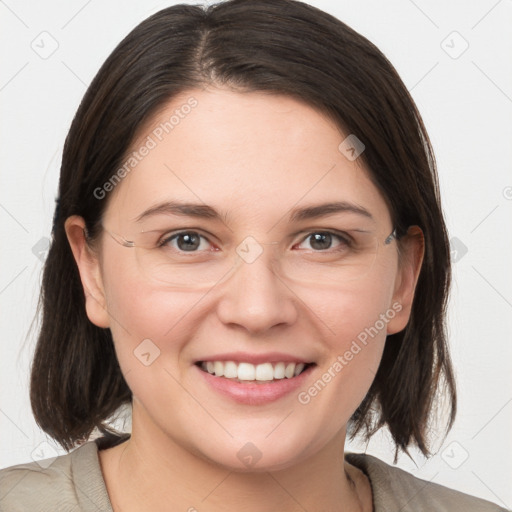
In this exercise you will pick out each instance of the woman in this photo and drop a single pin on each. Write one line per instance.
(249, 249)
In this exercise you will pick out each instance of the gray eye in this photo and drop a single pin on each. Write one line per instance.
(187, 241)
(320, 241)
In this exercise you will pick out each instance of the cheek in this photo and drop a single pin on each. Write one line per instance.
(354, 326)
(148, 324)
(150, 341)
(357, 312)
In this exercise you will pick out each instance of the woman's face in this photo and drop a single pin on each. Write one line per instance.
(256, 159)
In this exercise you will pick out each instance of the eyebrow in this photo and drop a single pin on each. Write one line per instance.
(204, 211)
(322, 210)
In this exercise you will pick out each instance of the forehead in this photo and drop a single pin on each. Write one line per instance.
(249, 155)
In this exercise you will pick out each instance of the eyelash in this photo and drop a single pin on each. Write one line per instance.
(342, 237)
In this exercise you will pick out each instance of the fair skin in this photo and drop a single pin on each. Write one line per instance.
(255, 157)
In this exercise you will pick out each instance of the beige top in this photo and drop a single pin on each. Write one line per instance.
(74, 482)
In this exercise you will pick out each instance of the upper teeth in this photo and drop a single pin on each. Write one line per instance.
(248, 371)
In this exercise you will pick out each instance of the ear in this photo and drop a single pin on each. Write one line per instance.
(88, 266)
(412, 248)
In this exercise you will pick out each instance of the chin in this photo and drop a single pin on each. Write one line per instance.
(262, 455)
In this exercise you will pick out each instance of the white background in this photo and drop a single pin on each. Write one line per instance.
(466, 103)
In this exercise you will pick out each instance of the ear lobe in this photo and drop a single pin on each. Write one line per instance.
(89, 269)
(412, 248)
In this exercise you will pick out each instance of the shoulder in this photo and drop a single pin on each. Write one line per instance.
(37, 485)
(71, 482)
(396, 489)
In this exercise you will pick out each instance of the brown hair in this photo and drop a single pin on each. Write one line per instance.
(280, 46)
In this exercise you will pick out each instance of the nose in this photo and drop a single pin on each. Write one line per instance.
(256, 298)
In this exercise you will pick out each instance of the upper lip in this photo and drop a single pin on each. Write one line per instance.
(244, 357)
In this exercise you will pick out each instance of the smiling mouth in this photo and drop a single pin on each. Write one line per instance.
(253, 373)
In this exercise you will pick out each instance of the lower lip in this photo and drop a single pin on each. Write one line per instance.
(250, 393)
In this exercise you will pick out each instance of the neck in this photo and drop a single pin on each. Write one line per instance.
(151, 471)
